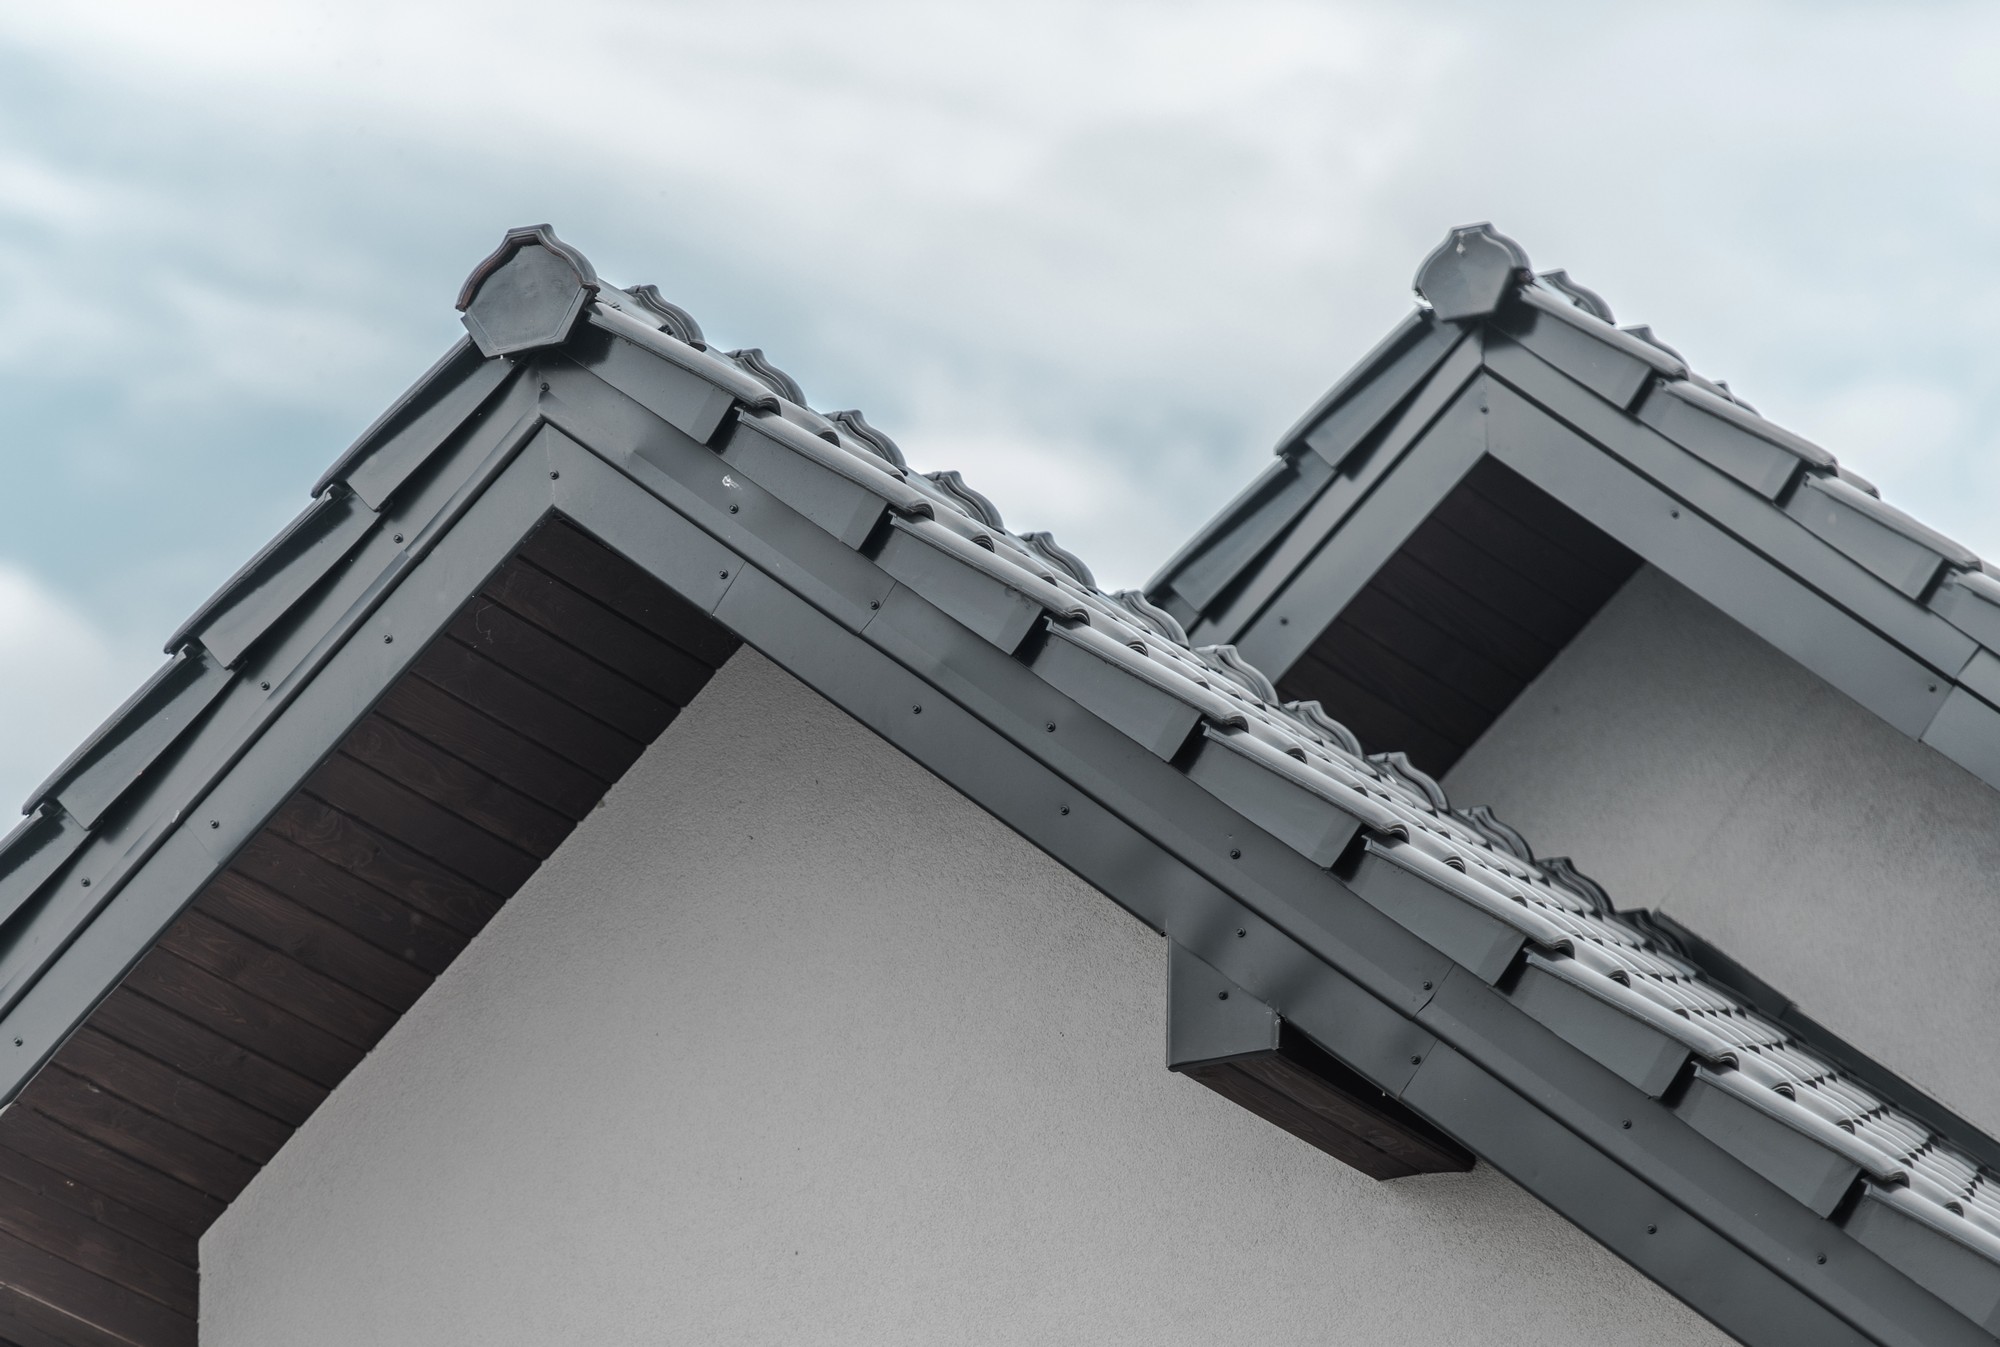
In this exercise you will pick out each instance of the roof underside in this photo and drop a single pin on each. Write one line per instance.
(1451, 513)
(562, 532)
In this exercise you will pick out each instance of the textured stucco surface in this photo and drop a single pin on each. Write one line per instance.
(790, 1043)
(1687, 765)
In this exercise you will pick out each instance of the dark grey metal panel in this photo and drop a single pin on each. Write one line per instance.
(170, 707)
(1315, 828)
(1970, 602)
(1832, 509)
(1713, 562)
(1713, 429)
(842, 507)
(1758, 535)
(1634, 1049)
(32, 853)
(1790, 1249)
(1344, 421)
(1787, 1157)
(1475, 941)
(1251, 598)
(727, 505)
(451, 370)
(1255, 521)
(684, 400)
(1159, 722)
(1942, 1265)
(1745, 1297)
(1608, 369)
(1981, 675)
(376, 475)
(1345, 561)
(1001, 615)
(1209, 1017)
(255, 602)
(1967, 730)
(529, 293)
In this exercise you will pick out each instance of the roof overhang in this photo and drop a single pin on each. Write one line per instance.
(759, 521)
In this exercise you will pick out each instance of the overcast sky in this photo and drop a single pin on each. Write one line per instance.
(1095, 255)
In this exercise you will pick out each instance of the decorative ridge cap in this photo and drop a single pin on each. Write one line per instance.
(675, 320)
(1164, 623)
(1316, 719)
(755, 363)
(1471, 272)
(1488, 825)
(1562, 870)
(516, 239)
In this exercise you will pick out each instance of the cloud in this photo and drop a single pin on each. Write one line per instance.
(59, 677)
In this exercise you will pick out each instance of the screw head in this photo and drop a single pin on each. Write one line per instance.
(872, 605)
(215, 823)
(554, 475)
(1235, 854)
(1427, 986)
(86, 883)
(734, 508)
(545, 385)
(17, 1042)
(1050, 727)
(264, 686)
(1222, 996)
(1240, 932)
(1416, 1061)
(917, 710)
(388, 640)
(398, 538)
(1652, 1230)
(1065, 809)
(1822, 1258)
(722, 575)
(1627, 1124)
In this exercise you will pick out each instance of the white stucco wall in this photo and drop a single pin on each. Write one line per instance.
(1687, 765)
(790, 1043)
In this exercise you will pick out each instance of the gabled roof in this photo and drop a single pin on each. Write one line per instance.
(371, 735)
(1508, 415)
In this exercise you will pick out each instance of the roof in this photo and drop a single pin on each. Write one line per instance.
(1510, 401)
(518, 575)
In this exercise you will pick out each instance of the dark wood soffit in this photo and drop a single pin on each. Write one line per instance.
(1461, 618)
(324, 929)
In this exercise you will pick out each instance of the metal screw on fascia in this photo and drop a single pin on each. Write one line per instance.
(1222, 996)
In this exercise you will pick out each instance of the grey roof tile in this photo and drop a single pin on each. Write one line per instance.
(1461, 880)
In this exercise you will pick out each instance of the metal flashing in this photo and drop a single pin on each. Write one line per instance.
(1443, 977)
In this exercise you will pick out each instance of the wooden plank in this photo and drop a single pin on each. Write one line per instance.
(585, 564)
(1595, 550)
(206, 1056)
(474, 796)
(561, 669)
(1492, 633)
(661, 668)
(388, 865)
(89, 1110)
(1419, 641)
(1385, 672)
(321, 945)
(343, 898)
(35, 1323)
(394, 811)
(117, 1176)
(41, 1221)
(159, 1088)
(246, 1020)
(474, 737)
(1379, 726)
(504, 695)
(1496, 585)
(278, 979)
(93, 1301)
(119, 1221)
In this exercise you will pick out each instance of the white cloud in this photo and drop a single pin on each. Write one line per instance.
(59, 677)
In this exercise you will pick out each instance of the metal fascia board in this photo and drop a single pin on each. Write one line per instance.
(1714, 562)
(1392, 444)
(1773, 540)
(1349, 558)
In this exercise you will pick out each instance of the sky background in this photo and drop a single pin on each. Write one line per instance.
(1095, 255)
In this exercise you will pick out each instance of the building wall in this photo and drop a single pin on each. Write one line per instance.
(789, 1043)
(1687, 765)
